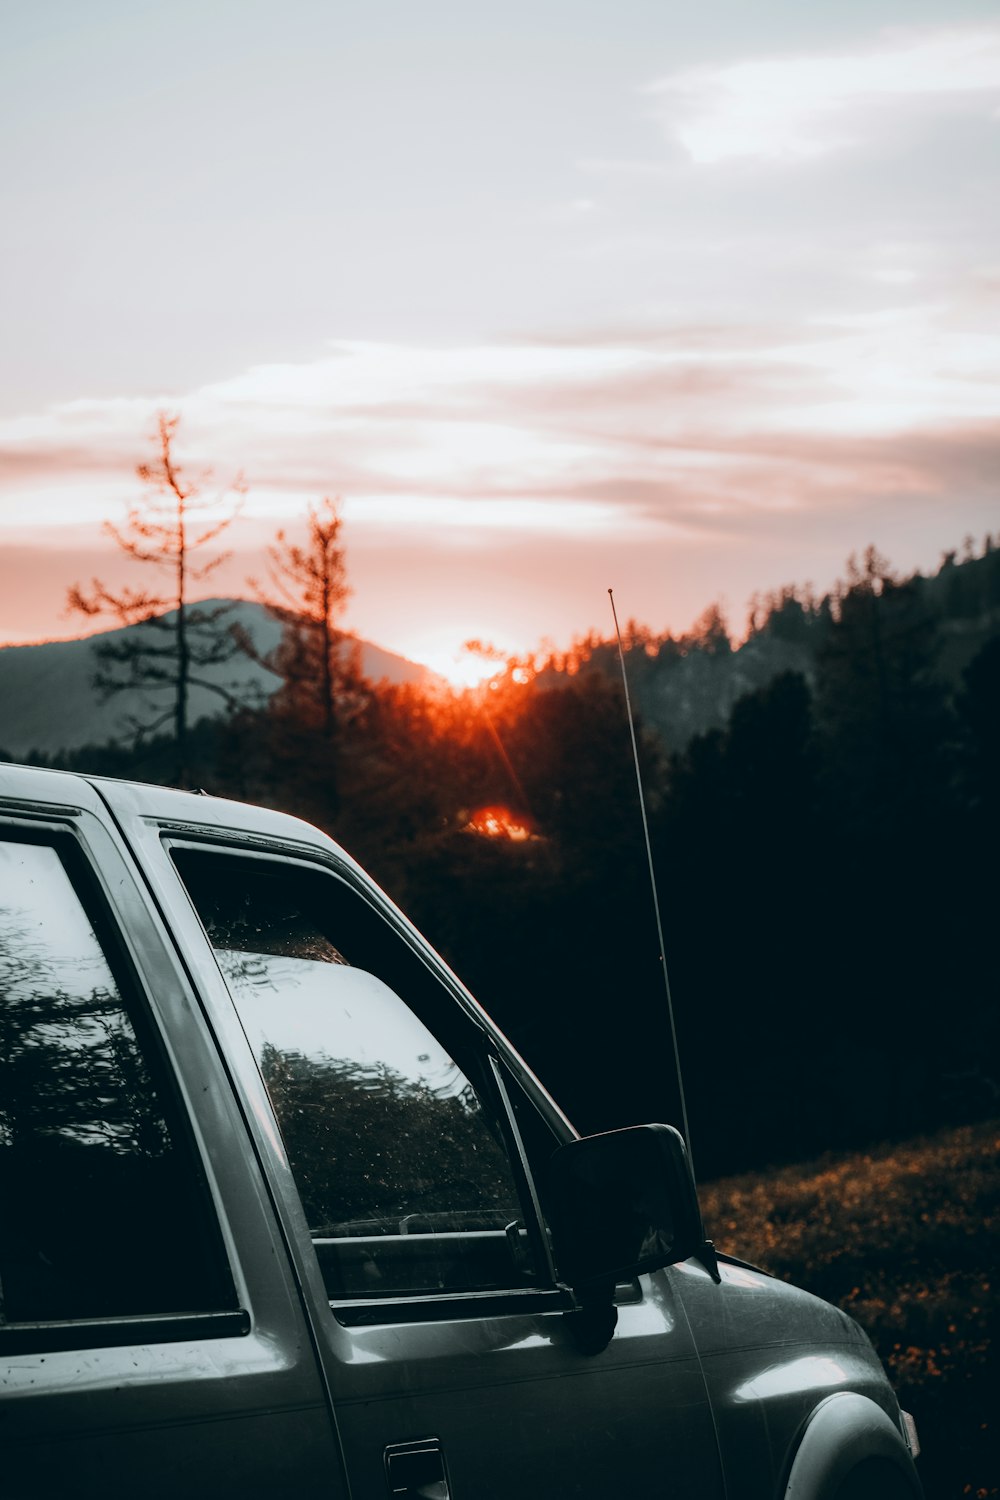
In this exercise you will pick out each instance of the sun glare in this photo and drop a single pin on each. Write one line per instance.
(460, 668)
(498, 823)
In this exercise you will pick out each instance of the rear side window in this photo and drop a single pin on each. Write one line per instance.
(103, 1213)
(391, 1126)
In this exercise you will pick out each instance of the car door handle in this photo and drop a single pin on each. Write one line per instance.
(416, 1470)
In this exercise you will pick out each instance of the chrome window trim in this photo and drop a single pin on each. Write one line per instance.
(111, 1333)
(525, 1302)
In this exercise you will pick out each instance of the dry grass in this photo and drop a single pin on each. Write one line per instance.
(906, 1239)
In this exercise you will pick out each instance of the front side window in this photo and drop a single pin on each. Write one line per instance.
(399, 1157)
(102, 1214)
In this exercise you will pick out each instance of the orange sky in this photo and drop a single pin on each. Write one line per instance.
(499, 492)
(712, 307)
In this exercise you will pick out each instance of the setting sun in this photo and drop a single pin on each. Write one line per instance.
(460, 669)
(461, 661)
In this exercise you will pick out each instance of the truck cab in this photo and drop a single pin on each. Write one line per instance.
(284, 1212)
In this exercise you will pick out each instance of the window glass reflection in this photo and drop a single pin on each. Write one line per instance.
(96, 1213)
(385, 1133)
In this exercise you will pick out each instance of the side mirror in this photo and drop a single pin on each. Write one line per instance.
(623, 1203)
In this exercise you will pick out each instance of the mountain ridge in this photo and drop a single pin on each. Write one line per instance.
(48, 702)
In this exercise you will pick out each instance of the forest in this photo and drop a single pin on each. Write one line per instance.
(823, 799)
(822, 856)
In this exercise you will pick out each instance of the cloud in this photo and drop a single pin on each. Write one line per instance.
(687, 338)
(795, 108)
(681, 433)
(535, 419)
(49, 459)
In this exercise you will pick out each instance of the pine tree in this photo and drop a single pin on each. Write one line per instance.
(318, 664)
(316, 661)
(178, 640)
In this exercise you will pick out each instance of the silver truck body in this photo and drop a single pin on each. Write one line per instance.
(264, 1332)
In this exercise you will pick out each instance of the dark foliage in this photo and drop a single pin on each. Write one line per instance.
(904, 1239)
(822, 859)
(824, 851)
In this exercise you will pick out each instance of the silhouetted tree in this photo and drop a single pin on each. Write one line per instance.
(318, 664)
(178, 640)
(880, 706)
(316, 661)
(709, 633)
(979, 709)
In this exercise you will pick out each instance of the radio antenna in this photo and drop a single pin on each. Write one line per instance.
(652, 882)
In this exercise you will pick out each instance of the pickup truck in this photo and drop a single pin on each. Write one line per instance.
(283, 1212)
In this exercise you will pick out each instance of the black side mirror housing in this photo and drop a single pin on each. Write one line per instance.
(623, 1203)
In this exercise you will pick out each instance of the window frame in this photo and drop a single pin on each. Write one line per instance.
(480, 1048)
(58, 830)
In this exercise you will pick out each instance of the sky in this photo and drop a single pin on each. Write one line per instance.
(690, 302)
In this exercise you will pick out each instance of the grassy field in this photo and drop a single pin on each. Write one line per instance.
(906, 1238)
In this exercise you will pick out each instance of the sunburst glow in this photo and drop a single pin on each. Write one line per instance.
(459, 657)
(498, 823)
(458, 668)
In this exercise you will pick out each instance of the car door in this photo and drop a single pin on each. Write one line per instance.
(152, 1337)
(405, 1179)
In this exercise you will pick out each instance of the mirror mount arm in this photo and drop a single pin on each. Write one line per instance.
(592, 1322)
(706, 1256)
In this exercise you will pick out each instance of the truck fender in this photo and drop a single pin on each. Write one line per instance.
(851, 1450)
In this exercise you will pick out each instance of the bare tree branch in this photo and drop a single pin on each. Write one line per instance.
(157, 533)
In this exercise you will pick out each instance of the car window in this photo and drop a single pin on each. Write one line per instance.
(104, 1213)
(398, 1152)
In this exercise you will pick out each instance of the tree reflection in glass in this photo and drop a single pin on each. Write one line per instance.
(379, 1123)
(387, 1137)
(88, 1181)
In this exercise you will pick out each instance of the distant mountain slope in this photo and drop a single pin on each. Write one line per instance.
(48, 702)
(684, 687)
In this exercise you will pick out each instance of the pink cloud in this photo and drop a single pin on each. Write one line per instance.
(509, 479)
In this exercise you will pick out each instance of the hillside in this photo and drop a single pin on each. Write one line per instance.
(48, 702)
(904, 1238)
(684, 686)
